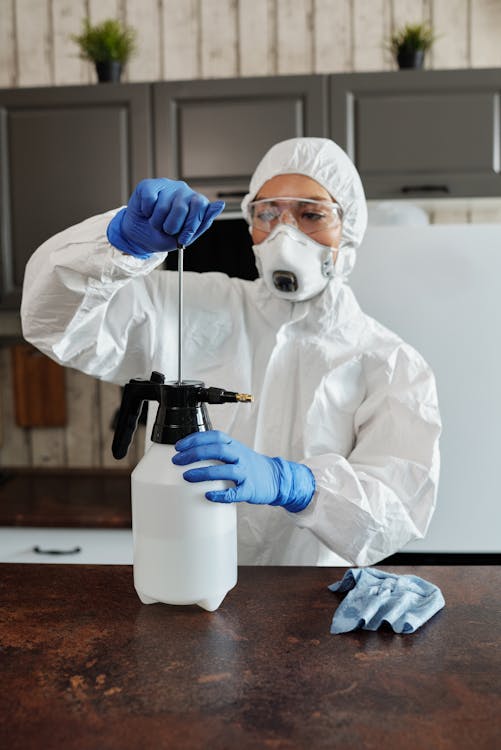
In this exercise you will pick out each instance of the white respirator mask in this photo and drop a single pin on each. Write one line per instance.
(292, 265)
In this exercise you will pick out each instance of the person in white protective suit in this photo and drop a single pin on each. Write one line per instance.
(349, 409)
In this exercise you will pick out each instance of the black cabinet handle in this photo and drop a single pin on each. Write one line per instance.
(40, 551)
(425, 189)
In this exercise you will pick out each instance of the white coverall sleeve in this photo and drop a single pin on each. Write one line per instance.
(382, 496)
(86, 304)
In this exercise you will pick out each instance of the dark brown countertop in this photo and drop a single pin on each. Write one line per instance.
(97, 498)
(84, 665)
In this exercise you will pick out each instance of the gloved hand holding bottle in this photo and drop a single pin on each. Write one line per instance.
(161, 214)
(258, 479)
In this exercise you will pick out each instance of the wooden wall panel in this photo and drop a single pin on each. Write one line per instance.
(485, 214)
(371, 29)
(452, 46)
(449, 215)
(33, 43)
(66, 19)
(257, 50)
(218, 21)
(219, 38)
(333, 36)
(485, 33)
(403, 12)
(146, 65)
(180, 40)
(82, 432)
(478, 212)
(294, 36)
(8, 66)
(48, 446)
(100, 10)
(15, 446)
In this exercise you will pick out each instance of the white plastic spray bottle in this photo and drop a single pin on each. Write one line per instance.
(185, 546)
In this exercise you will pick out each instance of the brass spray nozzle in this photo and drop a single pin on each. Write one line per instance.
(221, 396)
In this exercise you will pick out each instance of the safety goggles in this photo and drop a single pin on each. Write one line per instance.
(310, 216)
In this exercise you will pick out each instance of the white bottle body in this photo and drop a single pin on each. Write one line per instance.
(185, 546)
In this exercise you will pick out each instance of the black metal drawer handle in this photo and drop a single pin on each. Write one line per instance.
(425, 189)
(40, 551)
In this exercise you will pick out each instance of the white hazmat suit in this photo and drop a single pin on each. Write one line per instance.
(333, 388)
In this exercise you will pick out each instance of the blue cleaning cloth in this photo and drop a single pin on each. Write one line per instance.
(374, 597)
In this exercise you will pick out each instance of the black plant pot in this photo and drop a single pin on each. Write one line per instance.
(109, 71)
(410, 58)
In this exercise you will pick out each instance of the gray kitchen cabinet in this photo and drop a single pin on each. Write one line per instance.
(421, 133)
(212, 133)
(66, 153)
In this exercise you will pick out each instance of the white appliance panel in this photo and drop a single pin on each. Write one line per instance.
(439, 288)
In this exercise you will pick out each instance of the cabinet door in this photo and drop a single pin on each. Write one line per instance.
(213, 133)
(67, 153)
(421, 133)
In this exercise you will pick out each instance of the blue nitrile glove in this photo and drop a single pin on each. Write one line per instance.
(403, 601)
(161, 214)
(258, 479)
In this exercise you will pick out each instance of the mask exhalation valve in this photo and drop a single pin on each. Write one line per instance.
(285, 281)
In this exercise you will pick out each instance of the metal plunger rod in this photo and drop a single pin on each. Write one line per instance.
(210, 395)
(180, 258)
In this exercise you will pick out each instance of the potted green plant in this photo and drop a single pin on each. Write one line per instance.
(409, 44)
(108, 45)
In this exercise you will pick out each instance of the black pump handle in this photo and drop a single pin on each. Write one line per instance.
(134, 393)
